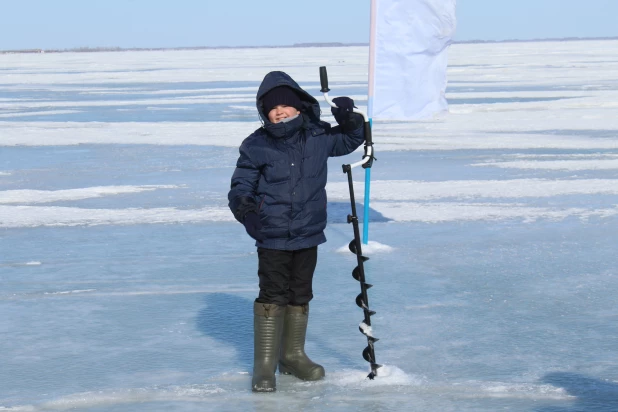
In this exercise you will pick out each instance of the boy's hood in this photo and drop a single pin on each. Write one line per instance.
(310, 107)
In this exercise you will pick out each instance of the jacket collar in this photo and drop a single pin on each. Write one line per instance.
(285, 130)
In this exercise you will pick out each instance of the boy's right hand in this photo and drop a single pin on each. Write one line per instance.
(344, 115)
(253, 226)
(344, 105)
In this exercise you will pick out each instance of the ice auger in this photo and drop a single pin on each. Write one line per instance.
(355, 245)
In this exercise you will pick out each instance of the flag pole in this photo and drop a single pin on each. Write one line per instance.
(372, 44)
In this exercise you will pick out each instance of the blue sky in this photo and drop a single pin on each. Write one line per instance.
(181, 23)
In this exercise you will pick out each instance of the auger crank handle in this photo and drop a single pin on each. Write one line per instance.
(368, 157)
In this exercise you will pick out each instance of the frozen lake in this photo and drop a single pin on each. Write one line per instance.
(128, 286)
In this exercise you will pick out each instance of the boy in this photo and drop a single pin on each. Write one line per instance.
(278, 194)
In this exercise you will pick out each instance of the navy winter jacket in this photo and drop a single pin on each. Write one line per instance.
(282, 168)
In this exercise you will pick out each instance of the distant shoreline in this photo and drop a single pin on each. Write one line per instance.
(297, 45)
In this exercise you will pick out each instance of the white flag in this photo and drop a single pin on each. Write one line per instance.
(408, 57)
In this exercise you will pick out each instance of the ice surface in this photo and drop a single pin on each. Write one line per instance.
(127, 285)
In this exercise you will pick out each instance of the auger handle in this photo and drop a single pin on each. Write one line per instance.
(324, 80)
(367, 159)
(325, 90)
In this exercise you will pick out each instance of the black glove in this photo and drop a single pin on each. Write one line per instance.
(344, 116)
(344, 105)
(253, 226)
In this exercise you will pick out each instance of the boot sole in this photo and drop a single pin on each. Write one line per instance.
(263, 390)
(264, 387)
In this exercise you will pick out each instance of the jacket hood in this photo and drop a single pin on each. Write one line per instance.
(310, 105)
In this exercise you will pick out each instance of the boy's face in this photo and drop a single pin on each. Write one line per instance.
(281, 112)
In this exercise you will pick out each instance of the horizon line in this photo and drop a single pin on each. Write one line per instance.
(88, 49)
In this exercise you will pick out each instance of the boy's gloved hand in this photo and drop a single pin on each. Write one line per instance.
(344, 105)
(344, 116)
(253, 226)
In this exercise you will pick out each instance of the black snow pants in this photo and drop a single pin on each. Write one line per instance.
(286, 276)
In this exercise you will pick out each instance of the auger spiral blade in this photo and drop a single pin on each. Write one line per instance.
(360, 302)
(356, 273)
(352, 247)
(367, 354)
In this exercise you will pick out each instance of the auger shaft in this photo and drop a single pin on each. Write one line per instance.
(360, 259)
(362, 300)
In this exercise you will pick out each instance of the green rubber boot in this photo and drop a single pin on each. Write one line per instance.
(267, 331)
(294, 360)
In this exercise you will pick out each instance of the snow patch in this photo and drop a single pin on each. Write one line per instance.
(228, 134)
(371, 247)
(387, 375)
(376, 247)
(33, 216)
(243, 108)
(598, 164)
(70, 292)
(18, 264)
(153, 292)
(367, 330)
(448, 212)
(467, 189)
(102, 399)
(205, 99)
(46, 196)
(38, 113)
(523, 391)
(435, 305)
